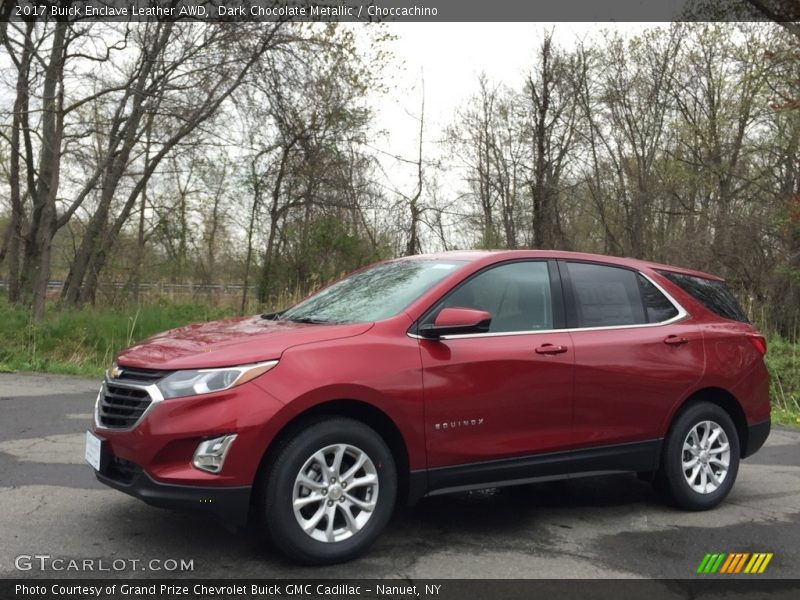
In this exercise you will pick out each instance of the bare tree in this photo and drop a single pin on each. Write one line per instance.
(200, 69)
(553, 115)
(414, 208)
(784, 12)
(471, 143)
(311, 114)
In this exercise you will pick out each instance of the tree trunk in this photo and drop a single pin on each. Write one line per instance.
(250, 230)
(413, 244)
(12, 244)
(36, 261)
(266, 266)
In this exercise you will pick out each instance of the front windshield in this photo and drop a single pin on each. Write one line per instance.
(373, 294)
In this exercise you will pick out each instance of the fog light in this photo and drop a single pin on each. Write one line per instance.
(210, 455)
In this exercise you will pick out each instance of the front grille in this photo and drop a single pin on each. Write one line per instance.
(142, 376)
(121, 407)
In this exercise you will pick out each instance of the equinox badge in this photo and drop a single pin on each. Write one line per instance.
(460, 423)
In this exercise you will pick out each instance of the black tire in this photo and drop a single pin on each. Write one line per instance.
(276, 484)
(670, 481)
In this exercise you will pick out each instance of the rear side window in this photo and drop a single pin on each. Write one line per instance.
(607, 296)
(657, 306)
(712, 294)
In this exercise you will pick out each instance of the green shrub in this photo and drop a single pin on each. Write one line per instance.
(85, 341)
(783, 362)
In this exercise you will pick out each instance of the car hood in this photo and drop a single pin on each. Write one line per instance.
(229, 342)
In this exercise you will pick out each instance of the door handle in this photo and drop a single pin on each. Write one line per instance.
(550, 349)
(674, 340)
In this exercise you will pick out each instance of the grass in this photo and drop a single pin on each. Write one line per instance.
(84, 342)
(783, 362)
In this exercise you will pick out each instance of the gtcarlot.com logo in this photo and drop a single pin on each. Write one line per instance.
(733, 563)
(46, 562)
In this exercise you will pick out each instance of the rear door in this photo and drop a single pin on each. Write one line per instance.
(637, 353)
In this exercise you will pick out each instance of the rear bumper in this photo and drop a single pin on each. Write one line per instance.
(757, 434)
(230, 504)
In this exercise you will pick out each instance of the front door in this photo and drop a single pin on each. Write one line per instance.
(506, 393)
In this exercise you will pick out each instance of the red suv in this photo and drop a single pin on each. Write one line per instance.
(433, 374)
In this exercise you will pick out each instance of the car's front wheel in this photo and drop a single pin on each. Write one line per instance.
(330, 491)
(701, 458)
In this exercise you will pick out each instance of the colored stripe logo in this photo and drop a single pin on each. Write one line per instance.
(733, 563)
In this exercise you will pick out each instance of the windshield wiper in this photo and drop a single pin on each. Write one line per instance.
(278, 316)
(273, 316)
(314, 320)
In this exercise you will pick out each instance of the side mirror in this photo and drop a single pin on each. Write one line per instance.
(456, 321)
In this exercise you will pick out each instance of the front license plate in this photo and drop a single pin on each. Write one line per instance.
(94, 450)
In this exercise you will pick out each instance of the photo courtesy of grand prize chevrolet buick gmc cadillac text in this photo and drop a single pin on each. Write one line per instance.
(433, 374)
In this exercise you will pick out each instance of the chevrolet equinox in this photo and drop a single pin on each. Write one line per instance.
(434, 374)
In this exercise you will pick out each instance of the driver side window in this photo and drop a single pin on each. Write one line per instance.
(517, 295)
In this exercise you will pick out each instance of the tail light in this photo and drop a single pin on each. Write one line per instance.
(760, 343)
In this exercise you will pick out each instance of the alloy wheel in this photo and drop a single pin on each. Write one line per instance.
(335, 493)
(706, 457)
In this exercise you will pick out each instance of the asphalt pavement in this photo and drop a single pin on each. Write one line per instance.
(607, 527)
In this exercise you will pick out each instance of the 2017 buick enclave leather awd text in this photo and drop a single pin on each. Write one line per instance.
(433, 374)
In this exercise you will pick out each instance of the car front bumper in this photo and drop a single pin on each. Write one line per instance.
(163, 443)
(152, 461)
(230, 504)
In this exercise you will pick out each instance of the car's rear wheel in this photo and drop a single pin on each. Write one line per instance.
(329, 493)
(701, 458)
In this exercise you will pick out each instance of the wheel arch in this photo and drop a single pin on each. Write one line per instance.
(726, 401)
(358, 410)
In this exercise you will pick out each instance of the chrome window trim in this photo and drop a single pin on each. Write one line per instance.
(682, 314)
(151, 389)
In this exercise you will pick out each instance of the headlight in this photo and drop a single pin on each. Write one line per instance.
(204, 381)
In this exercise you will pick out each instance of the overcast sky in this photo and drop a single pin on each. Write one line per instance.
(451, 56)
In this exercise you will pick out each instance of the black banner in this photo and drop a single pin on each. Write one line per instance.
(731, 588)
(402, 10)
